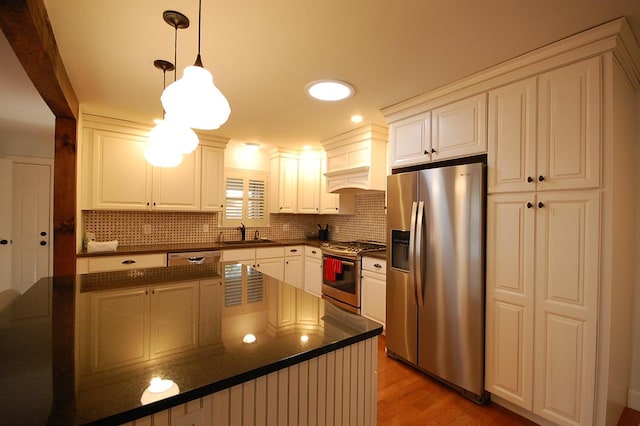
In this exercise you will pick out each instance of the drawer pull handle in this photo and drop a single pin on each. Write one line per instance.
(377, 265)
(293, 250)
(313, 252)
(128, 262)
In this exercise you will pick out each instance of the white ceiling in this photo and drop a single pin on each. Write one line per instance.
(262, 54)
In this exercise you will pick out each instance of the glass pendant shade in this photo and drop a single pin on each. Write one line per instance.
(195, 101)
(162, 148)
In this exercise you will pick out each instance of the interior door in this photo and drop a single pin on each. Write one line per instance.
(31, 224)
(6, 211)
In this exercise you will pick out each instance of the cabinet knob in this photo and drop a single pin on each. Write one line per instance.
(43, 234)
(540, 178)
(43, 243)
(147, 203)
(433, 151)
(4, 242)
(529, 179)
(426, 152)
(529, 205)
(540, 204)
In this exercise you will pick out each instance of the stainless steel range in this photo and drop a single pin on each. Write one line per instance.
(341, 271)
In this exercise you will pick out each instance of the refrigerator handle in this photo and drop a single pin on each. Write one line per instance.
(419, 223)
(412, 251)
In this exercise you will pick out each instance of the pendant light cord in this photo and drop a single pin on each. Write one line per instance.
(198, 59)
(175, 52)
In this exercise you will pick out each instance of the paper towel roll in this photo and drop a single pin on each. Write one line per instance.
(101, 246)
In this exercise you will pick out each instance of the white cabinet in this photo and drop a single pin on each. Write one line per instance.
(459, 129)
(454, 130)
(123, 179)
(563, 150)
(411, 141)
(313, 270)
(294, 266)
(90, 264)
(212, 196)
(374, 289)
(270, 261)
(551, 237)
(244, 256)
(309, 184)
(331, 203)
(284, 187)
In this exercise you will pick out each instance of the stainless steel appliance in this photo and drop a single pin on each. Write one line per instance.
(193, 257)
(343, 289)
(435, 273)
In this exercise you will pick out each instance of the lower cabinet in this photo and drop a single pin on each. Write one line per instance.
(374, 289)
(270, 261)
(294, 266)
(131, 325)
(313, 270)
(542, 302)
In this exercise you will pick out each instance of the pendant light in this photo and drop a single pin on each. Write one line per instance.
(162, 149)
(194, 99)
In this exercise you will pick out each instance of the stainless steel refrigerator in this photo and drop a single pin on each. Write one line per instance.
(435, 273)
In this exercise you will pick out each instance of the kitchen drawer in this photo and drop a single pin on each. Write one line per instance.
(293, 251)
(119, 263)
(268, 252)
(238, 255)
(374, 264)
(313, 252)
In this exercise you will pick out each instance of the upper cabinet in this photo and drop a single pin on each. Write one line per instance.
(117, 176)
(544, 132)
(454, 130)
(298, 185)
(356, 160)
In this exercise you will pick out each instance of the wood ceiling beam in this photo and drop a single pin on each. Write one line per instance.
(26, 26)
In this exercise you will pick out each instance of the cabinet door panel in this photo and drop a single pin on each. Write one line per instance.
(411, 141)
(567, 279)
(313, 275)
(121, 175)
(460, 128)
(374, 288)
(308, 185)
(178, 188)
(510, 297)
(212, 179)
(569, 128)
(294, 271)
(512, 137)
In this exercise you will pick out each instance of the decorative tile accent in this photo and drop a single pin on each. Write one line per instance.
(128, 227)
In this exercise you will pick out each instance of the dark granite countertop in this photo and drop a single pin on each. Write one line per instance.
(183, 247)
(83, 349)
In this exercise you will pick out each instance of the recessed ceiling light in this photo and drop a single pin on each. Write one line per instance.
(356, 118)
(330, 90)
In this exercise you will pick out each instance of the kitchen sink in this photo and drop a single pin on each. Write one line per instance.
(240, 242)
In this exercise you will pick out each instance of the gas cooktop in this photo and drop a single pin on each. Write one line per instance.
(351, 248)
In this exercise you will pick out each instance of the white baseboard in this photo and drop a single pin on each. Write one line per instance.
(633, 399)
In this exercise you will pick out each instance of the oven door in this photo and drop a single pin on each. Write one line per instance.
(342, 287)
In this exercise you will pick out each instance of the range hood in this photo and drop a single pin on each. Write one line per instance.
(356, 160)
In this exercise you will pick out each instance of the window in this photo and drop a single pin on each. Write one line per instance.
(245, 198)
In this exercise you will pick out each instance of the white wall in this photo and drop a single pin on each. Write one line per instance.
(27, 142)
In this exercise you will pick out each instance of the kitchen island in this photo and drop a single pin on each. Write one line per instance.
(226, 345)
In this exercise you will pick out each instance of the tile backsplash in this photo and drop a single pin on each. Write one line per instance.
(141, 228)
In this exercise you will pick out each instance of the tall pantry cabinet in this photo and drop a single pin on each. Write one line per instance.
(562, 149)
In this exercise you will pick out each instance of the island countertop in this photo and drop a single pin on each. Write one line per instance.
(83, 349)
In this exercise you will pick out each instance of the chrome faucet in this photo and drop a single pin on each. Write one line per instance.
(243, 230)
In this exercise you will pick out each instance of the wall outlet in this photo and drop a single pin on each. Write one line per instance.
(205, 227)
(146, 229)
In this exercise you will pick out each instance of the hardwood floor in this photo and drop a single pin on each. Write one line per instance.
(408, 397)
